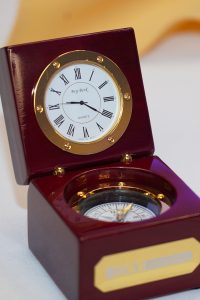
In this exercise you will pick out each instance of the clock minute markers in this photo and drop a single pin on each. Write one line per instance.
(55, 106)
(107, 113)
(71, 129)
(77, 73)
(59, 120)
(99, 126)
(64, 79)
(103, 84)
(91, 75)
(55, 91)
(85, 132)
(108, 99)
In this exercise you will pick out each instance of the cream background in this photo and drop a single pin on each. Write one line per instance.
(8, 15)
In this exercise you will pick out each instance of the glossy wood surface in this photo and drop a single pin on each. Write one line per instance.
(24, 65)
(95, 239)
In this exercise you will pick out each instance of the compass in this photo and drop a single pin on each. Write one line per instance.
(110, 200)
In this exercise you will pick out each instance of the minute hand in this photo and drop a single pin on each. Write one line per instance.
(92, 108)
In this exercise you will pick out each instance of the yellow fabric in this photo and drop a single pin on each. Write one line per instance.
(151, 19)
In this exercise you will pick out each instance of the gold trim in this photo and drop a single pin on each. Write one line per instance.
(56, 65)
(126, 158)
(83, 195)
(100, 59)
(39, 108)
(59, 171)
(118, 128)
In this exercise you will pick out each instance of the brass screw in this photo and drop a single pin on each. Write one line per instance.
(147, 194)
(80, 194)
(160, 196)
(127, 96)
(111, 139)
(121, 183)
(39, 108)
(126, 158)
(56, 64)
(67, 146)
(100, 59)
(59, 171)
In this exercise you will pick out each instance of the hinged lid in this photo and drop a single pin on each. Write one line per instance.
(20, 67)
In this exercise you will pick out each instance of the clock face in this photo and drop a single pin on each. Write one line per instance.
(83, 102)
(110, 212)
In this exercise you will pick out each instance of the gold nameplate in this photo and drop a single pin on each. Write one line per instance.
(144, 265)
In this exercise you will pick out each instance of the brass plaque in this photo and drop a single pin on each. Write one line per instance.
(145, 265)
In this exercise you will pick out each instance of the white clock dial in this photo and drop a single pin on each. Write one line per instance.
(82, 102)
(110, 211)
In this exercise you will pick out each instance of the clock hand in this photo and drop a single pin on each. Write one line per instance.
(84, 103)
(75, 102)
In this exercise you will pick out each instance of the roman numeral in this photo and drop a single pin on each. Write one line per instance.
(107, 99)
(64, 79)
(77, 73)
(56, 106)
(70, 130)
(54, 91)
(85, 132)
(103, 84)
(91, 75)
(99, 126)
(59, 120)
(107, 114)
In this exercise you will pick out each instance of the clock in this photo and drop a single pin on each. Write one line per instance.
(107, 218)
(83, 102)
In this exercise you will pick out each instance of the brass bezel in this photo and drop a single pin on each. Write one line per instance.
(80, 196)
(118, 128)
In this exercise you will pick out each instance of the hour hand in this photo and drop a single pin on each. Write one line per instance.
(75, 102)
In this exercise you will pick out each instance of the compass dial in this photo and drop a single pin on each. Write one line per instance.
(117, 204)
(116, 212)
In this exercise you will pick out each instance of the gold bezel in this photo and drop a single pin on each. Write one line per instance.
(118, 128)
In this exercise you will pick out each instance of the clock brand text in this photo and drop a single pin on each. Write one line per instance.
(81, 90)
